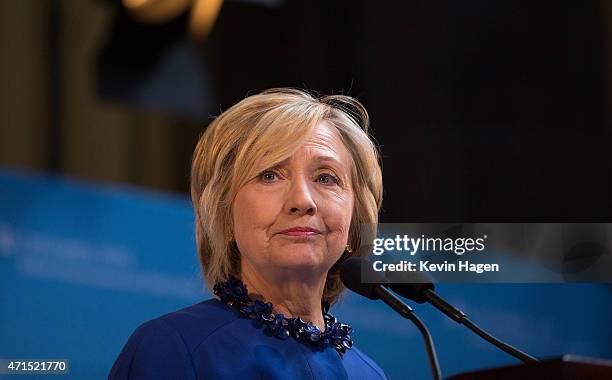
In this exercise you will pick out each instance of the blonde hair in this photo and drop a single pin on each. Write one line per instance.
(258, 133)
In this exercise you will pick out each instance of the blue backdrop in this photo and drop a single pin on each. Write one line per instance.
(82, 265)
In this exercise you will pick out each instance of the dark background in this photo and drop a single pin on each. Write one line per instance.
(484, 110)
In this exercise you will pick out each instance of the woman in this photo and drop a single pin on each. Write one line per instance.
(284, 187)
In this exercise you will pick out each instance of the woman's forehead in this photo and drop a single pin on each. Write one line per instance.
(324, 145)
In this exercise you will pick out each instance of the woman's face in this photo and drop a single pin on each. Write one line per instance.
(296, 216)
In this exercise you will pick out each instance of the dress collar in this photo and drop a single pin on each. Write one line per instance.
(233, 293)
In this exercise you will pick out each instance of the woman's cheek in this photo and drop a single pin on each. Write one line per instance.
(339, 225)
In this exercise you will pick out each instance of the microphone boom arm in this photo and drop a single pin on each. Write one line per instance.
(459, 317)
(406, 311)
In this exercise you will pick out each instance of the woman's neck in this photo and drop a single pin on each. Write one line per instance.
(293, 297)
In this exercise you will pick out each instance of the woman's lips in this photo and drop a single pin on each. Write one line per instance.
(300, 231)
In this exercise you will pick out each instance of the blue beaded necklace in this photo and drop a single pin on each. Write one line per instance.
(233, 293)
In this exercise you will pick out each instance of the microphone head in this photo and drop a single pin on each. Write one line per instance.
(353, 270)
(411, 285)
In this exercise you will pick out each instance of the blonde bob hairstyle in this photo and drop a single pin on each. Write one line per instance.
(258, 133)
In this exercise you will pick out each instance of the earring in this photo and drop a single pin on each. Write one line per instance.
(348, 248)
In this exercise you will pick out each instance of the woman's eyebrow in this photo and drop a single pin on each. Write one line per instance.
(317, 160)
(330, 159)
(280, 165)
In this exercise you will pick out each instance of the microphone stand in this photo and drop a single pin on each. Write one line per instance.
(459, 317)
(406, 311)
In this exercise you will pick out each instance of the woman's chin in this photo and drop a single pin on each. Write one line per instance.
(300, 256)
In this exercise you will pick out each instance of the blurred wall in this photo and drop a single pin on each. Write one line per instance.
(52, 115)
(483, 110)
(24, 98)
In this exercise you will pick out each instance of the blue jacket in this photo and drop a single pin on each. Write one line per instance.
(210, 340)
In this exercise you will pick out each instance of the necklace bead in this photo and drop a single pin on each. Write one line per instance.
(234, 293)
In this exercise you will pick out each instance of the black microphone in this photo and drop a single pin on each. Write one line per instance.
(417, 287)
(351, 275)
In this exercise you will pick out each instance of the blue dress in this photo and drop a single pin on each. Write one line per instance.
(210, 340)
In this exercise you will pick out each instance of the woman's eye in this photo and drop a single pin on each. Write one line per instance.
(327, 178)
(268, 176)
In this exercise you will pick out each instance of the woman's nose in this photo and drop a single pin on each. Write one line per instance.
(299, 198)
